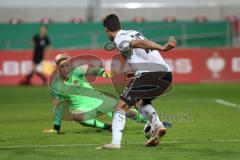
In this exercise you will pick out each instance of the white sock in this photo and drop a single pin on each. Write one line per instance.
(149, 112)
(118, 125)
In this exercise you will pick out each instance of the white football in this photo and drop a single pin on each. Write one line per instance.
(148, 129)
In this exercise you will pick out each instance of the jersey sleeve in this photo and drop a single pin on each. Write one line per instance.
(123, 42)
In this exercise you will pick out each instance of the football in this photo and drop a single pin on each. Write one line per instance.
(148, 129)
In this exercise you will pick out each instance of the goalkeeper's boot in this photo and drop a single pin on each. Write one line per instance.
(107, 127)
(110, 146)
(155, 138)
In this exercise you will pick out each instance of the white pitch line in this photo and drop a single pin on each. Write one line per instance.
(226, 103)
(229, 140)
(137, 143)
(47, 146)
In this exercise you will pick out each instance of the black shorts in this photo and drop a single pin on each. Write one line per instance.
(146, 86)
(37, 57)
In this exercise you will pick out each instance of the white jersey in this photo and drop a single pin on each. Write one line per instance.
(141, 60)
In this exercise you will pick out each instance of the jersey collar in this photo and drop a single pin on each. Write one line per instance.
(119, 32)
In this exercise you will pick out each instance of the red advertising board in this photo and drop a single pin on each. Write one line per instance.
(205, 65)
(188, 65)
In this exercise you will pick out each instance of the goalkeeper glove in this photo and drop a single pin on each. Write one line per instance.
(50, 131)
(56, 129)
(107, 74)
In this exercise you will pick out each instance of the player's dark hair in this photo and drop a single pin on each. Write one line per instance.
(112, 23)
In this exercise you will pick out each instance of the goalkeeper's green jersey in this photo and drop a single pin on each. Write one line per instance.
(77, 102)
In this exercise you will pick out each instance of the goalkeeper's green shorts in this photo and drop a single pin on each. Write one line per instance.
(85, 106)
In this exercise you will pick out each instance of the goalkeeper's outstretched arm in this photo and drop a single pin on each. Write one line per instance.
(94, 71)
(57, 118)
(99, 72)
(57, 115)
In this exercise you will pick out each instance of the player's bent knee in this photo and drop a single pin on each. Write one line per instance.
(78, 117)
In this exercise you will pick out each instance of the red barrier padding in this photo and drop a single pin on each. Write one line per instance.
(188, 65)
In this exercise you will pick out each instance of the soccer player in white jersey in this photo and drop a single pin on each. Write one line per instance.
(152, 77)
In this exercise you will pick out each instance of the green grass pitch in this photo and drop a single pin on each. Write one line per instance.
(205, 118)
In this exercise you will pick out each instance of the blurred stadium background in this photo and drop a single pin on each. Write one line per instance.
(206, 67)
(206, 30)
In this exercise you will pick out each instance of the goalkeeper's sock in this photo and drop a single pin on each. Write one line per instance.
(108, 127)
(135, 115)
(118, 125)
(149, 112)
(93, 123)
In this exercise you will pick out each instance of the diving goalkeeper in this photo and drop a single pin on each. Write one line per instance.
(68, 77)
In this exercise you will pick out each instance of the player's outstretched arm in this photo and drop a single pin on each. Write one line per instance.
(147, 44)
(57, 118)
